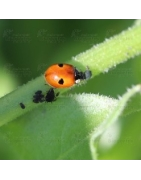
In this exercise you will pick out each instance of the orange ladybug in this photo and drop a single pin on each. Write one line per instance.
(65, 75)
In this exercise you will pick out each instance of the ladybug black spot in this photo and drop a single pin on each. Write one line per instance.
(60, 65)
(61, 81)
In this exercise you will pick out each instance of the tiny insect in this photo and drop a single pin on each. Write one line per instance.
(51, 96)
(22, 105)
(38, 97)
(65, 75)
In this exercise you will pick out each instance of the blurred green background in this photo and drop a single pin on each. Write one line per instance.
(28, 47)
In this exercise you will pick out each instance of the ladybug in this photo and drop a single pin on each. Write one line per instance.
(38, 97)
(22, 105)
(51, 96)
(65, 75)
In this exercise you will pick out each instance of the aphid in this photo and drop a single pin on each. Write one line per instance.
(22, 105)
(51, 96)
(38, 97)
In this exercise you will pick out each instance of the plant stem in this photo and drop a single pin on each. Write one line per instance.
(113, 51)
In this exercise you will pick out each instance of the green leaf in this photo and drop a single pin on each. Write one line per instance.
(117, 111)
(100, 58)
(65, 129)
(49, 132)
(113, 51)
(59, 130)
